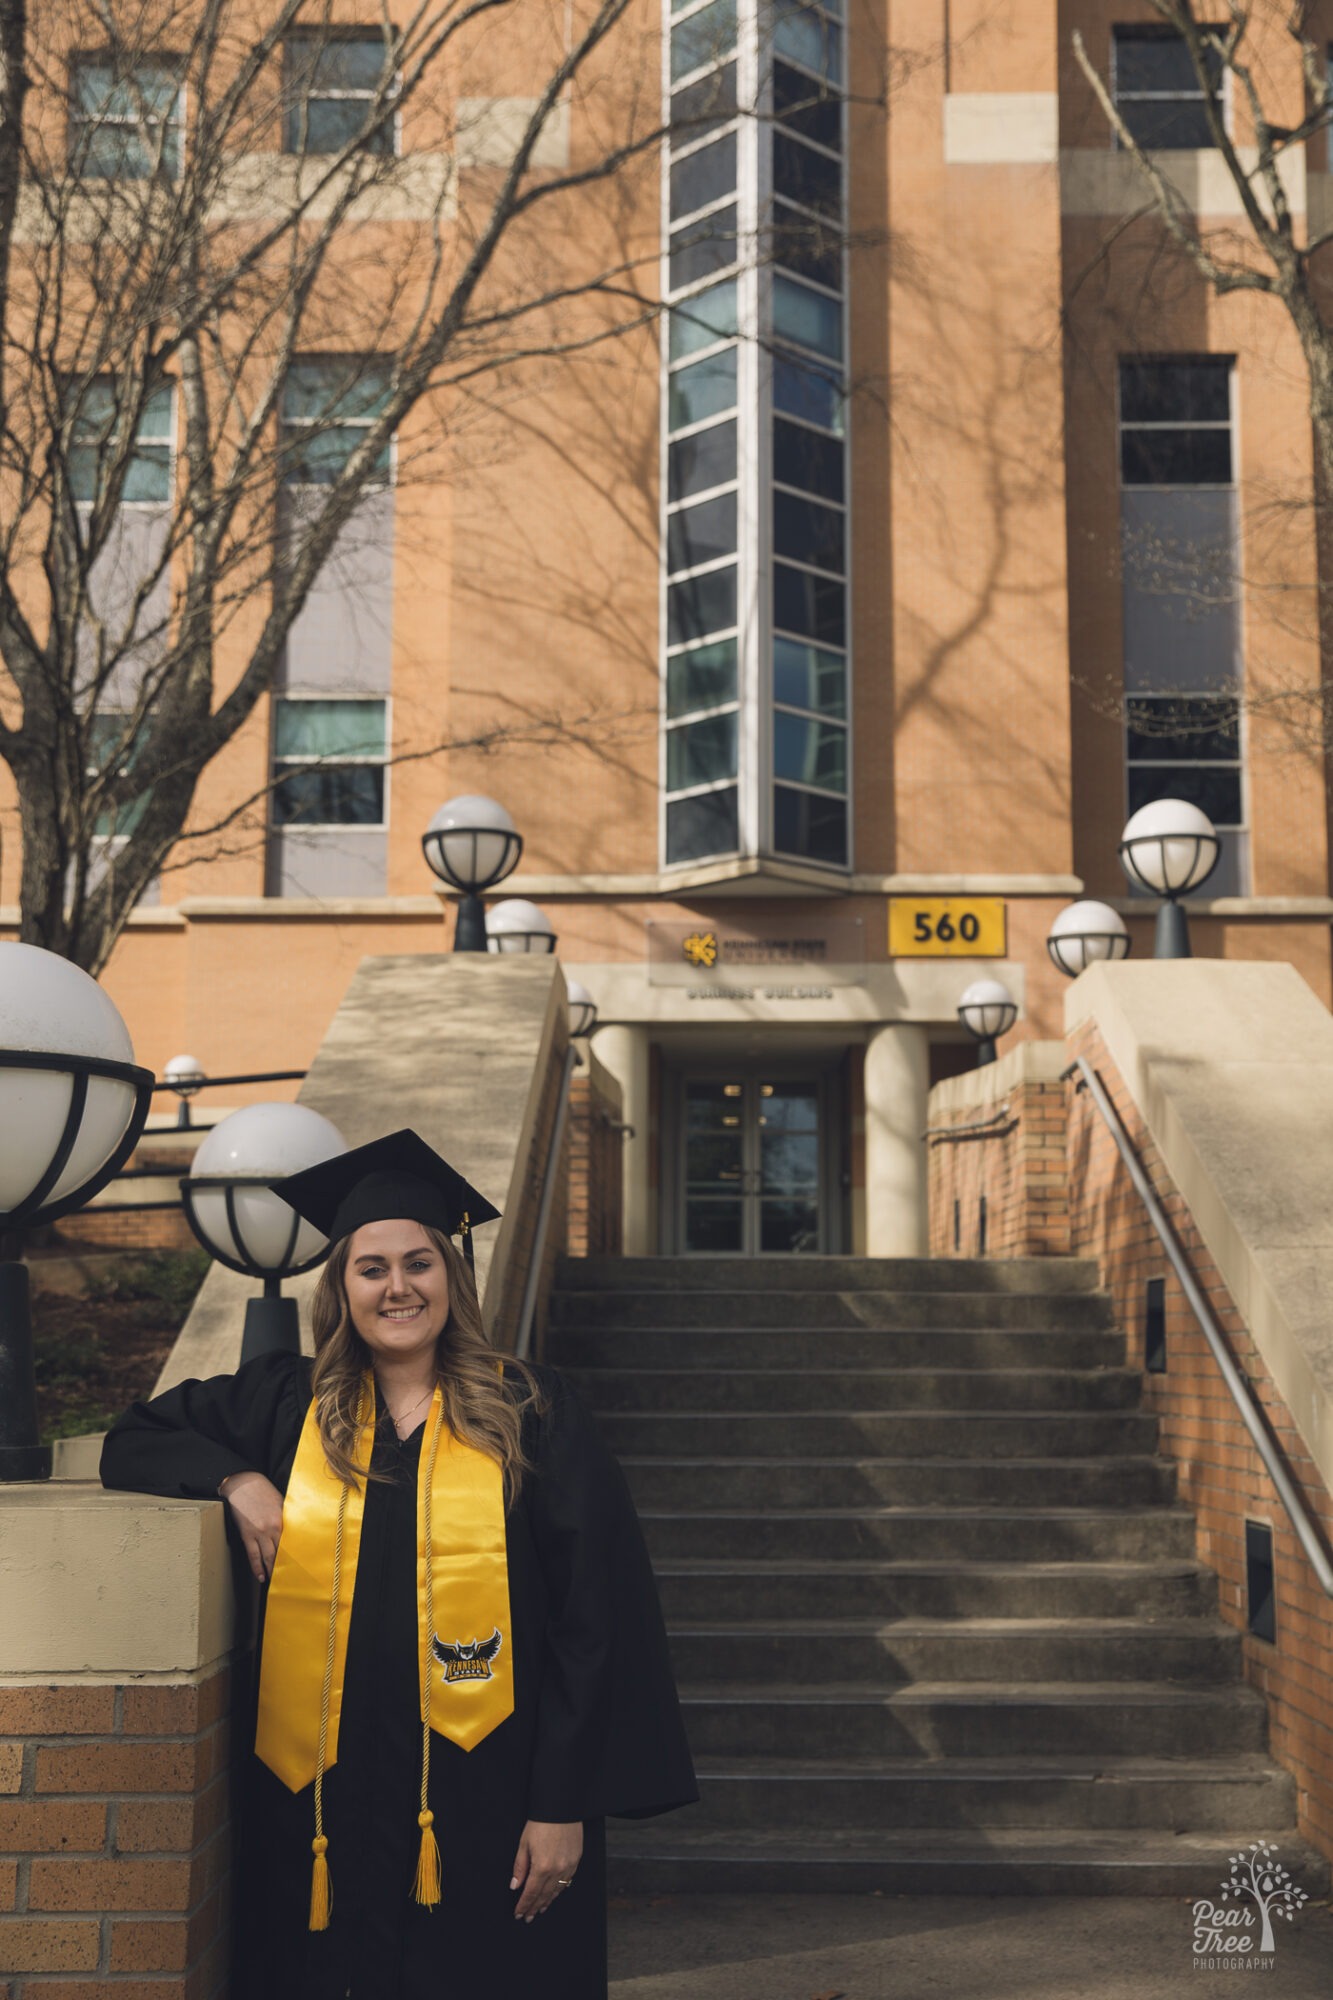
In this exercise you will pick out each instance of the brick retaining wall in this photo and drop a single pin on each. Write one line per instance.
(115, 1840)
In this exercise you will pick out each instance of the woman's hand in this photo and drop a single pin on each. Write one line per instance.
(548, 1851)
(256, 1508)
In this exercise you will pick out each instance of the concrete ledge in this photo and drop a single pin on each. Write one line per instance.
(1001, 128)
(975, 1090)
(1231, 1067)
(114, 1584)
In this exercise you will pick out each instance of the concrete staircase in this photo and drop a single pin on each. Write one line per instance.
(935, 1612)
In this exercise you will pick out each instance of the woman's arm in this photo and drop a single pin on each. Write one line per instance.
(186, 1442)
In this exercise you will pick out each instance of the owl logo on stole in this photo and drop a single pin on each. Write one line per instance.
(470, 1662)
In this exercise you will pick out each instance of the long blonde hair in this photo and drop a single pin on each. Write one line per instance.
(480, 1406)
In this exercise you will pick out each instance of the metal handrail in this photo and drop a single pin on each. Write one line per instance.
(980, 1128)
(523, 1336)
(1242, 1395)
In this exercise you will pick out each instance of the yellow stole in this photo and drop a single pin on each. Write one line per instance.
(465, 1639)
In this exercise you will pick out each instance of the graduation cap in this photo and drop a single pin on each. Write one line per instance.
(397, 1177)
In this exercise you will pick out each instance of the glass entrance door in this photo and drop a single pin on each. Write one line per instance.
(750, 1163)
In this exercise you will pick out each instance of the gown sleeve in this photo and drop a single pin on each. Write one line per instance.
(610, 1738)
(185, 1442)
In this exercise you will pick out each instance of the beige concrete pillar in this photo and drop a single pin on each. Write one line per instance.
(897, 1086)
(624, 1050)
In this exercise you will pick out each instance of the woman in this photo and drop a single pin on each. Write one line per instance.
(463, 1666)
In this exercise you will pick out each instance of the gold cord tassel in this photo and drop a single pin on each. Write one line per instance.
(321, 1884)
(426, 1883)
(321, 1889)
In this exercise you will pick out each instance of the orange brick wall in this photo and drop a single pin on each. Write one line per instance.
(1016, 1161)
(594, 1216)
(115, 1840)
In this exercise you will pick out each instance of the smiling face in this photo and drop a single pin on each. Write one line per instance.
(397, 1288)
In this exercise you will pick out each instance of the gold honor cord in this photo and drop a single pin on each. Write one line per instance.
(466, 1660)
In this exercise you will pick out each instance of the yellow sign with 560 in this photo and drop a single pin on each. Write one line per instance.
(947, 927)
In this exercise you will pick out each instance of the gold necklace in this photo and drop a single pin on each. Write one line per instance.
(412, 1407)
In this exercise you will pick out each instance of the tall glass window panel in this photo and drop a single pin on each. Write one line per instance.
(703, 677)
(810, 245)
(125, 120)
(340, 728)
(702, 320)
(808, 533)
(701, 605)
(807, 459)
(332, 83)
(810, 753)
(700, 752)
(113, 739)
(697, 107)
(810, 824)
(702, 825)
(701, 248)
(802, 389)
(147, 477)
(316, 748)
(329, 795)
(1175, 421)
(802, 175)
(701, 390)
(808, 677)
(807, 318)
(703, 177)
(809, 606)
(701, 461)
(328, 404)
(808, 37)
(702, 37)
(1158, 91)
(805, 105)
(701, 534)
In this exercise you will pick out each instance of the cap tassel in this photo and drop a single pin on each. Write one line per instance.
(465, 1229)
(426, 1885)
(321, 1888)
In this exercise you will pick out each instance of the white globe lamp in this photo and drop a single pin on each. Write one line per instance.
(240, 1221)
(1170, 848)
(471, 843)
(1083, 933)
(518, 925)
(987, 1009)
(582, 1008)
(72, 1106)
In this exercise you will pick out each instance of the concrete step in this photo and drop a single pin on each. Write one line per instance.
(675, 1855)
(974, 1719)
(716, 1346)
(706, 1484)
(1202, 1794)
(732, 1594)
(832, 1534)
(817, 1274)
(813, 1652)
(717, 1389)
(982, 1434)
(815, 1310)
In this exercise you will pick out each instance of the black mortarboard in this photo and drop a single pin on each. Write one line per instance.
(397, 1176)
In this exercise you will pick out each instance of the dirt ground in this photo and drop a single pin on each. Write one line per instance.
(96, 1354)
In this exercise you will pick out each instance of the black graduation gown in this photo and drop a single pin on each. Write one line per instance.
(596, 1727)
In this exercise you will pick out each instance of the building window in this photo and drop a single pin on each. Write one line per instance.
(113, 738)
(94, 445)
(125, 121)
(328, 761)
(331, 83)
(754, 537)
(1157, 89)
(1180, 568)
(329, 403)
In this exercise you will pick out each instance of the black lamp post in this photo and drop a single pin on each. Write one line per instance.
(241, 1222)
(72, 1106)
(472, 844)
(1170, 848)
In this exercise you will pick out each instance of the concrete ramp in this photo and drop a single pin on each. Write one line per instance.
(468, 1050)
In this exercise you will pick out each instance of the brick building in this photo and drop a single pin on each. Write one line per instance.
(943, 518)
